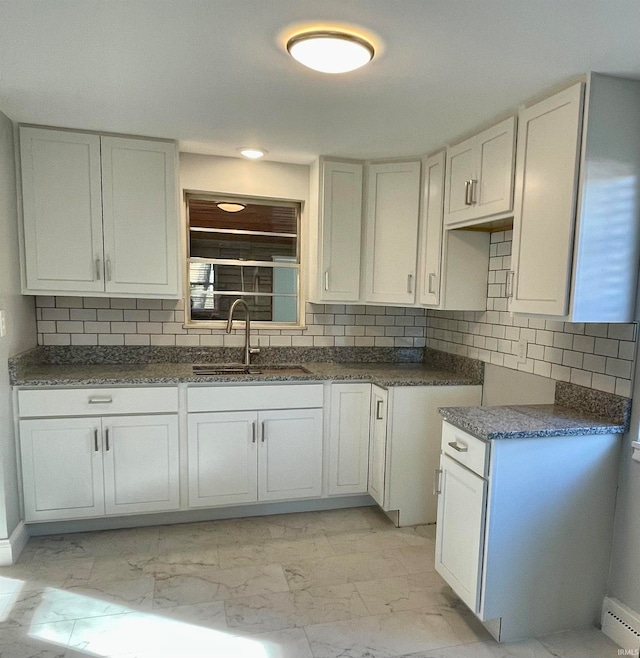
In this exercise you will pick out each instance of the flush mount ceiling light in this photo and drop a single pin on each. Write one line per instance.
(230, 206)
(330, 51)
(251, 152)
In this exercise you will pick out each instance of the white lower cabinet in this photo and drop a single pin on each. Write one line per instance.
(378, 445)
(251, 455)
(349, 438)
(87, 467)
(525, 527)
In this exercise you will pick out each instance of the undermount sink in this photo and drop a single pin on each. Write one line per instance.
(239, 369)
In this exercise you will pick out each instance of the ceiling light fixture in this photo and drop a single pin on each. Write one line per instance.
(252, 153)
(330, 51)
(230, 206)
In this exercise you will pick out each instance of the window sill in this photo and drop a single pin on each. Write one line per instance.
(238, 325)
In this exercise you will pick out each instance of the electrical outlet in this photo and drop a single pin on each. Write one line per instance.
(522, 350)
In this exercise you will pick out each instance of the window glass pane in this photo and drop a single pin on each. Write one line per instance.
(207, 305)
(243, 278)
(241, 247)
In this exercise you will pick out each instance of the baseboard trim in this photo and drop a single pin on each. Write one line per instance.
(621, 624)
(11, 548)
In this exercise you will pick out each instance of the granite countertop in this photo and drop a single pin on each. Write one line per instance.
(530, 421)
(383, 374)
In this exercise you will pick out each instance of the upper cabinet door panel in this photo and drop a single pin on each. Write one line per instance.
(140, 216)
(392, 232)
(549, 141)
(496, 152)
(461, 169)
(62, 211)
(341, 231)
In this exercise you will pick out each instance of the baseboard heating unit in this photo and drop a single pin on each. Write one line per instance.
(622, 625)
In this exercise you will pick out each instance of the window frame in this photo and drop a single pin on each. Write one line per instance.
(189, 323)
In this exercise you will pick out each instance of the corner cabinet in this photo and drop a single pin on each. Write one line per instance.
(391, 232)
(110, 202)
(479, 178)
(578, 203)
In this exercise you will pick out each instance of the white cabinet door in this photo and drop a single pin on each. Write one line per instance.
(62, 468)
(460, 530)
(140, 216)
(141, 464)
(349, 438)
(222, 458)
(290, 461)
(341, 228)
(549, 139)
(393, 201)
(431, 232)
(62, 211)
(461, 169)
(378, 446)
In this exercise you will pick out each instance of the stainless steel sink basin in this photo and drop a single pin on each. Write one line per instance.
(239, 369)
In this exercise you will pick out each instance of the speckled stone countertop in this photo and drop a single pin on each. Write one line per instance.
(60, 368)
(530, 421)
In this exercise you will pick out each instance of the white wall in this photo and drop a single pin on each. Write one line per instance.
(21, 329)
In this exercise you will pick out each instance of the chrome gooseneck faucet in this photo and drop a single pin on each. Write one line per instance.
(248, 350)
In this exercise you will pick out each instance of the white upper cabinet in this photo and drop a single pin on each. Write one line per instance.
(340, 218)
(391, 232)
(576, 226)
(100, 215)
(479, 178)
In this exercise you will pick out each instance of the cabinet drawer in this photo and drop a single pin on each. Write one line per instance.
(465, 449)
(97, 401)
(254, 397)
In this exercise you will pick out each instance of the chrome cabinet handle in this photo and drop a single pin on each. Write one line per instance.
(458, 447)
(98, 274)
(106, 437)
(432, 282)
(410, 283)
(108, 269)
(95, 440)
(262, 430)
(474, 188)
(379, 404)
(436, 481)
(467, 195)
(326, 280)
(509, 285)
(253, 432)
(99, 399)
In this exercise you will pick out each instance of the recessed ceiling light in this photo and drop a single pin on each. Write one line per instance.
(230, 206)
(330, 51)
(252, 153)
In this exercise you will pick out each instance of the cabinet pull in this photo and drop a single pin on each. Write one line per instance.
(410, 283)
(106, 438)
(509, 285)
(467, 193)
(432, 279)
(474, 189)
(459, 448)
(436, 481)
(95, 440)
(326, 280)
(100, 399)
(98, 275)
(379, 404)
(262, 431)
(253, 432)
(108, 269)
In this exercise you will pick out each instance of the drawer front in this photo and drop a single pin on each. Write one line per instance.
(97, 401)
(254, 397)
(465, 449)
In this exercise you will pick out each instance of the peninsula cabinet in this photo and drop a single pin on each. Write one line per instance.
(479, 176)
(452, 265)
(576, 228)
(254, 443)
(90, 465)
(524, 528)
(100, 215)
(391, 233)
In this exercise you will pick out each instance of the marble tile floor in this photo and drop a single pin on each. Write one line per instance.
(341, 583)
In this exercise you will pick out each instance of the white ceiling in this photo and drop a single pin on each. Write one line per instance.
(214, 74)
